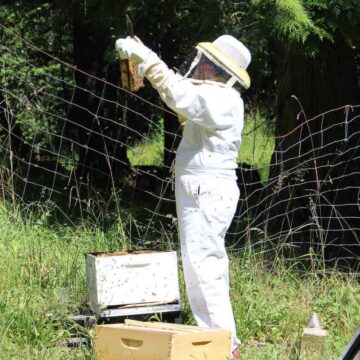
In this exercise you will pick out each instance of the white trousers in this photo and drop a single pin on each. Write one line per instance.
(205, 207)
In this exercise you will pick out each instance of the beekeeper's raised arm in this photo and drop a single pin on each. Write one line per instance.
(223, 62)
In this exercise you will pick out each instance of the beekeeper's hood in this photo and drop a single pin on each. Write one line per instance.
(228, 54)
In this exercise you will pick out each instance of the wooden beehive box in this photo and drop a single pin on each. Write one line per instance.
(160, 341)
(123, 278)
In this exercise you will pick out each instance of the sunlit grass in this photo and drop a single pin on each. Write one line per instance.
(271, 308)
(148, 151)
(257, 144)
(256, 148)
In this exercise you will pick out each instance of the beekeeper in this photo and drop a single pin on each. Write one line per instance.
(205, 181)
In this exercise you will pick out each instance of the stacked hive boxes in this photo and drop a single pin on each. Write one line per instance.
(126, 280)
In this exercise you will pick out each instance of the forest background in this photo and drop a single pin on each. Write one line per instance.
(305, 64)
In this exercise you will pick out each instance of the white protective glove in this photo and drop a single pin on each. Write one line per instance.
(147, 62)
(132, 49)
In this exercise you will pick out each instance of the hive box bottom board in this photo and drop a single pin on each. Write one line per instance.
(160, 341)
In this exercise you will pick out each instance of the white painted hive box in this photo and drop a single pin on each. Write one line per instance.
(124, 278)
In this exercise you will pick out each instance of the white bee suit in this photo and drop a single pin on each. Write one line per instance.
(205, 184)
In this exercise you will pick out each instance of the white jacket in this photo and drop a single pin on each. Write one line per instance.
(215, 118)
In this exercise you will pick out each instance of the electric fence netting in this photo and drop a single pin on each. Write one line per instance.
(85, 149)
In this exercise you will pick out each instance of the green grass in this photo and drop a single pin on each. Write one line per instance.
(256, 147)
(37, 262)
(270, 307)
(148, 151)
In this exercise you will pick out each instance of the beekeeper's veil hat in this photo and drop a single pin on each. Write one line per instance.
(228, 53)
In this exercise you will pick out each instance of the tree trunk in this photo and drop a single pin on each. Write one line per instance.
(171, 124)
(102, 157)
(313, 179)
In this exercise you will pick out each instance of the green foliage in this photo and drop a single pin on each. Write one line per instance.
(272, 308)
(170, 28)
(39, 264)
(256, 147)
(148, 151)
(306, 22)
(316, 20)
(257, 144)
(28, 78)
(292, 20)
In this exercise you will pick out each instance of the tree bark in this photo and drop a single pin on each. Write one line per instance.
(313, 185)
(100, 158)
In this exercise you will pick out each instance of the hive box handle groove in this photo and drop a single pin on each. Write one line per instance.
(137, 265)
(201, 343)
(132, 343)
